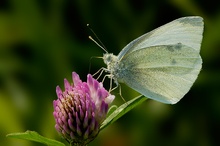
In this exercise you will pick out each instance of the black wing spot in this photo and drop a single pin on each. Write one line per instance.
(173, 62)
(178, 46)
(172, 48)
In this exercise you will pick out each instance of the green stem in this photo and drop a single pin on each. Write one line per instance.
(77, 144)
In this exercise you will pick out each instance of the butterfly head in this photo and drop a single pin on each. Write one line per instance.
(109, 58)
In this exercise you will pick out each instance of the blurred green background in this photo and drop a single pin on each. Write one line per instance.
(43, 41)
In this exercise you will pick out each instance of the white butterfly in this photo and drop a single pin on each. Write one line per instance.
(162, 64)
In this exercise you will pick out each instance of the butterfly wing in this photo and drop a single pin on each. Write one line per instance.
(164, 73)
(186, 30)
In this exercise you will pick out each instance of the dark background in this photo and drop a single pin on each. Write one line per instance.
(43, 41)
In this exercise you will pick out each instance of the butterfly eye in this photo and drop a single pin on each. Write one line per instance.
(107, 58)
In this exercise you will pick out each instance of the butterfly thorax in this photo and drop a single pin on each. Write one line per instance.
(115, 68)
(111, 61)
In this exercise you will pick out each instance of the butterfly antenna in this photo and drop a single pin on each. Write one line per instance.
(102, 46)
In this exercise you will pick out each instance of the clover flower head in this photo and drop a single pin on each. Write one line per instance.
(80, 109)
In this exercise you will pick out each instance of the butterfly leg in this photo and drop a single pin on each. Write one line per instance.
(101, 70)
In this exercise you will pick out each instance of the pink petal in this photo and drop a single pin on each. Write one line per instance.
(76, 79)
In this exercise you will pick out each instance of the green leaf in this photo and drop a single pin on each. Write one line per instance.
(123, 109)
(34, 136)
